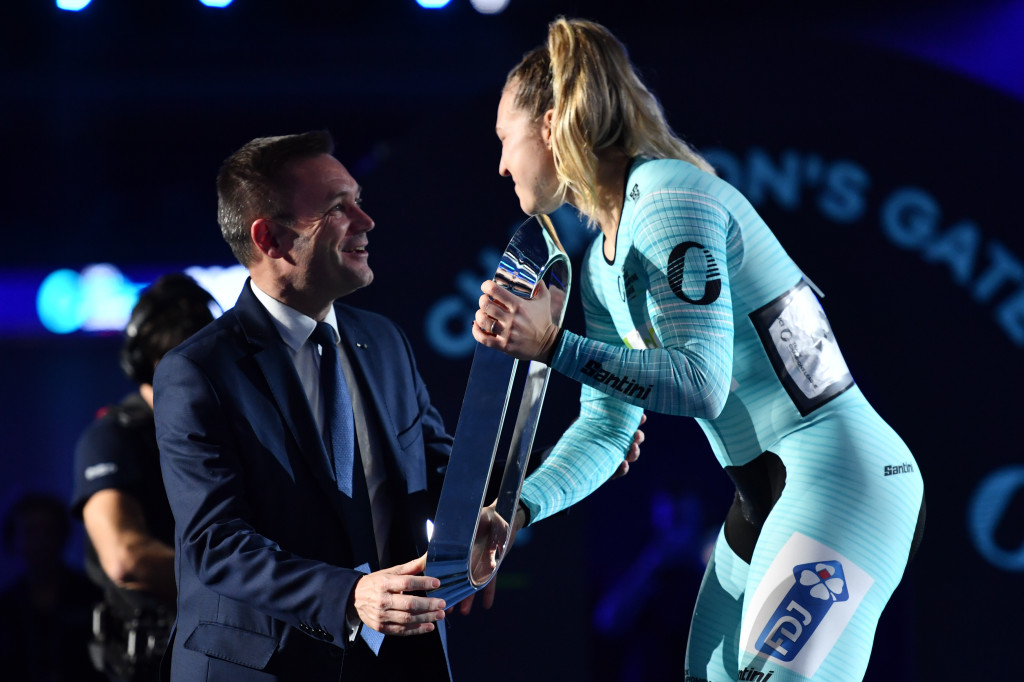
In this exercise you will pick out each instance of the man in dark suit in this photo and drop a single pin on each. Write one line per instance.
(279, 568)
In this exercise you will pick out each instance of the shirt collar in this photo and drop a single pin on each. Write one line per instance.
(294, 327)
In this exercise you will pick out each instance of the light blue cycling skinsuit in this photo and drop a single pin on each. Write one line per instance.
(703, 314)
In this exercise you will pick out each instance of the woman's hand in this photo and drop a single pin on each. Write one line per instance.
(494, 538)
(633, 453)
(523, 328)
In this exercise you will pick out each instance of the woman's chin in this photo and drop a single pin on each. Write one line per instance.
(534, 207)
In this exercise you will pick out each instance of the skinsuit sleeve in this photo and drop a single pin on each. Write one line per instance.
(667, 349)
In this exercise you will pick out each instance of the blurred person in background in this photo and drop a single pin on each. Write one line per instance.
(119, 492)
(45, 614)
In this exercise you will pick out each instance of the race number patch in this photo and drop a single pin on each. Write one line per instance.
(803, 604)
(799, 341)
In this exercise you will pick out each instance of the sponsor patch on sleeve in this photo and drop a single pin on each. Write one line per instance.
(798, 339)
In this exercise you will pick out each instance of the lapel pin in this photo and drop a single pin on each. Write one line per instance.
(360, 345)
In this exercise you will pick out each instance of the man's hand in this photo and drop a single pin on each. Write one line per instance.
(381, 602)
(633, 453)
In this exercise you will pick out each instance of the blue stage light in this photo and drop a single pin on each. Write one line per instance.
(59, 302)
(216, 3)
(96, 300)
(432, 4)
(73, 5)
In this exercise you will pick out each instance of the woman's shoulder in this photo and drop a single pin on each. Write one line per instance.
(674, 181)
(652, 174)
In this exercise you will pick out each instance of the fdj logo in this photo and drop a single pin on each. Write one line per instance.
(817, 587)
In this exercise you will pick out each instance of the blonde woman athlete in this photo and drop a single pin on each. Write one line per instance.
(693, 308)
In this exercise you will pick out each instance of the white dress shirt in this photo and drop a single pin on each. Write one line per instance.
(295, 329)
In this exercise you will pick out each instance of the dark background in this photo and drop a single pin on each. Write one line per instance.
(882, 145)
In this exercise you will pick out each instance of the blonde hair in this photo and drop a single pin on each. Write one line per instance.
(584, 74)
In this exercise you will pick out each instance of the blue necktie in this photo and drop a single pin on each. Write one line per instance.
(339, 424)
(340, 439)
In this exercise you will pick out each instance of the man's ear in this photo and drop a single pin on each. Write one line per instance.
(268, 237)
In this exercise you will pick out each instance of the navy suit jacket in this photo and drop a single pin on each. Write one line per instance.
(263, 561)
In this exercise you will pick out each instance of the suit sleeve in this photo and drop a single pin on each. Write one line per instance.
(206, 485)
(437, 443)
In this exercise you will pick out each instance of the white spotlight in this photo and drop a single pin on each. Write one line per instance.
(73, 5)
(489, 6)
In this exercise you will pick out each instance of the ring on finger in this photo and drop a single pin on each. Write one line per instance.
(494, 323)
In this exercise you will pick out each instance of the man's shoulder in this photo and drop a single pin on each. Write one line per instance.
(212, 336)
(351, 316)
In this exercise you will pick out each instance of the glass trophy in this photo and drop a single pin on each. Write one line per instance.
(499, 386)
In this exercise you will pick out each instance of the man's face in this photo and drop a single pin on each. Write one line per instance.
(328, 250)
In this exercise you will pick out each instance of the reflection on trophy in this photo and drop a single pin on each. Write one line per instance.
(469, 542)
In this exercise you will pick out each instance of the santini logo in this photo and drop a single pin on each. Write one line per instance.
(899, 469)
(818, 586)
(756, 675)
(623, 384)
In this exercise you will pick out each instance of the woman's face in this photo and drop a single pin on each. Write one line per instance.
(526, 156)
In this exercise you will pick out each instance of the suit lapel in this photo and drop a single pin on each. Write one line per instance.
(355, 341)
(271, 356)
(365, 359)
